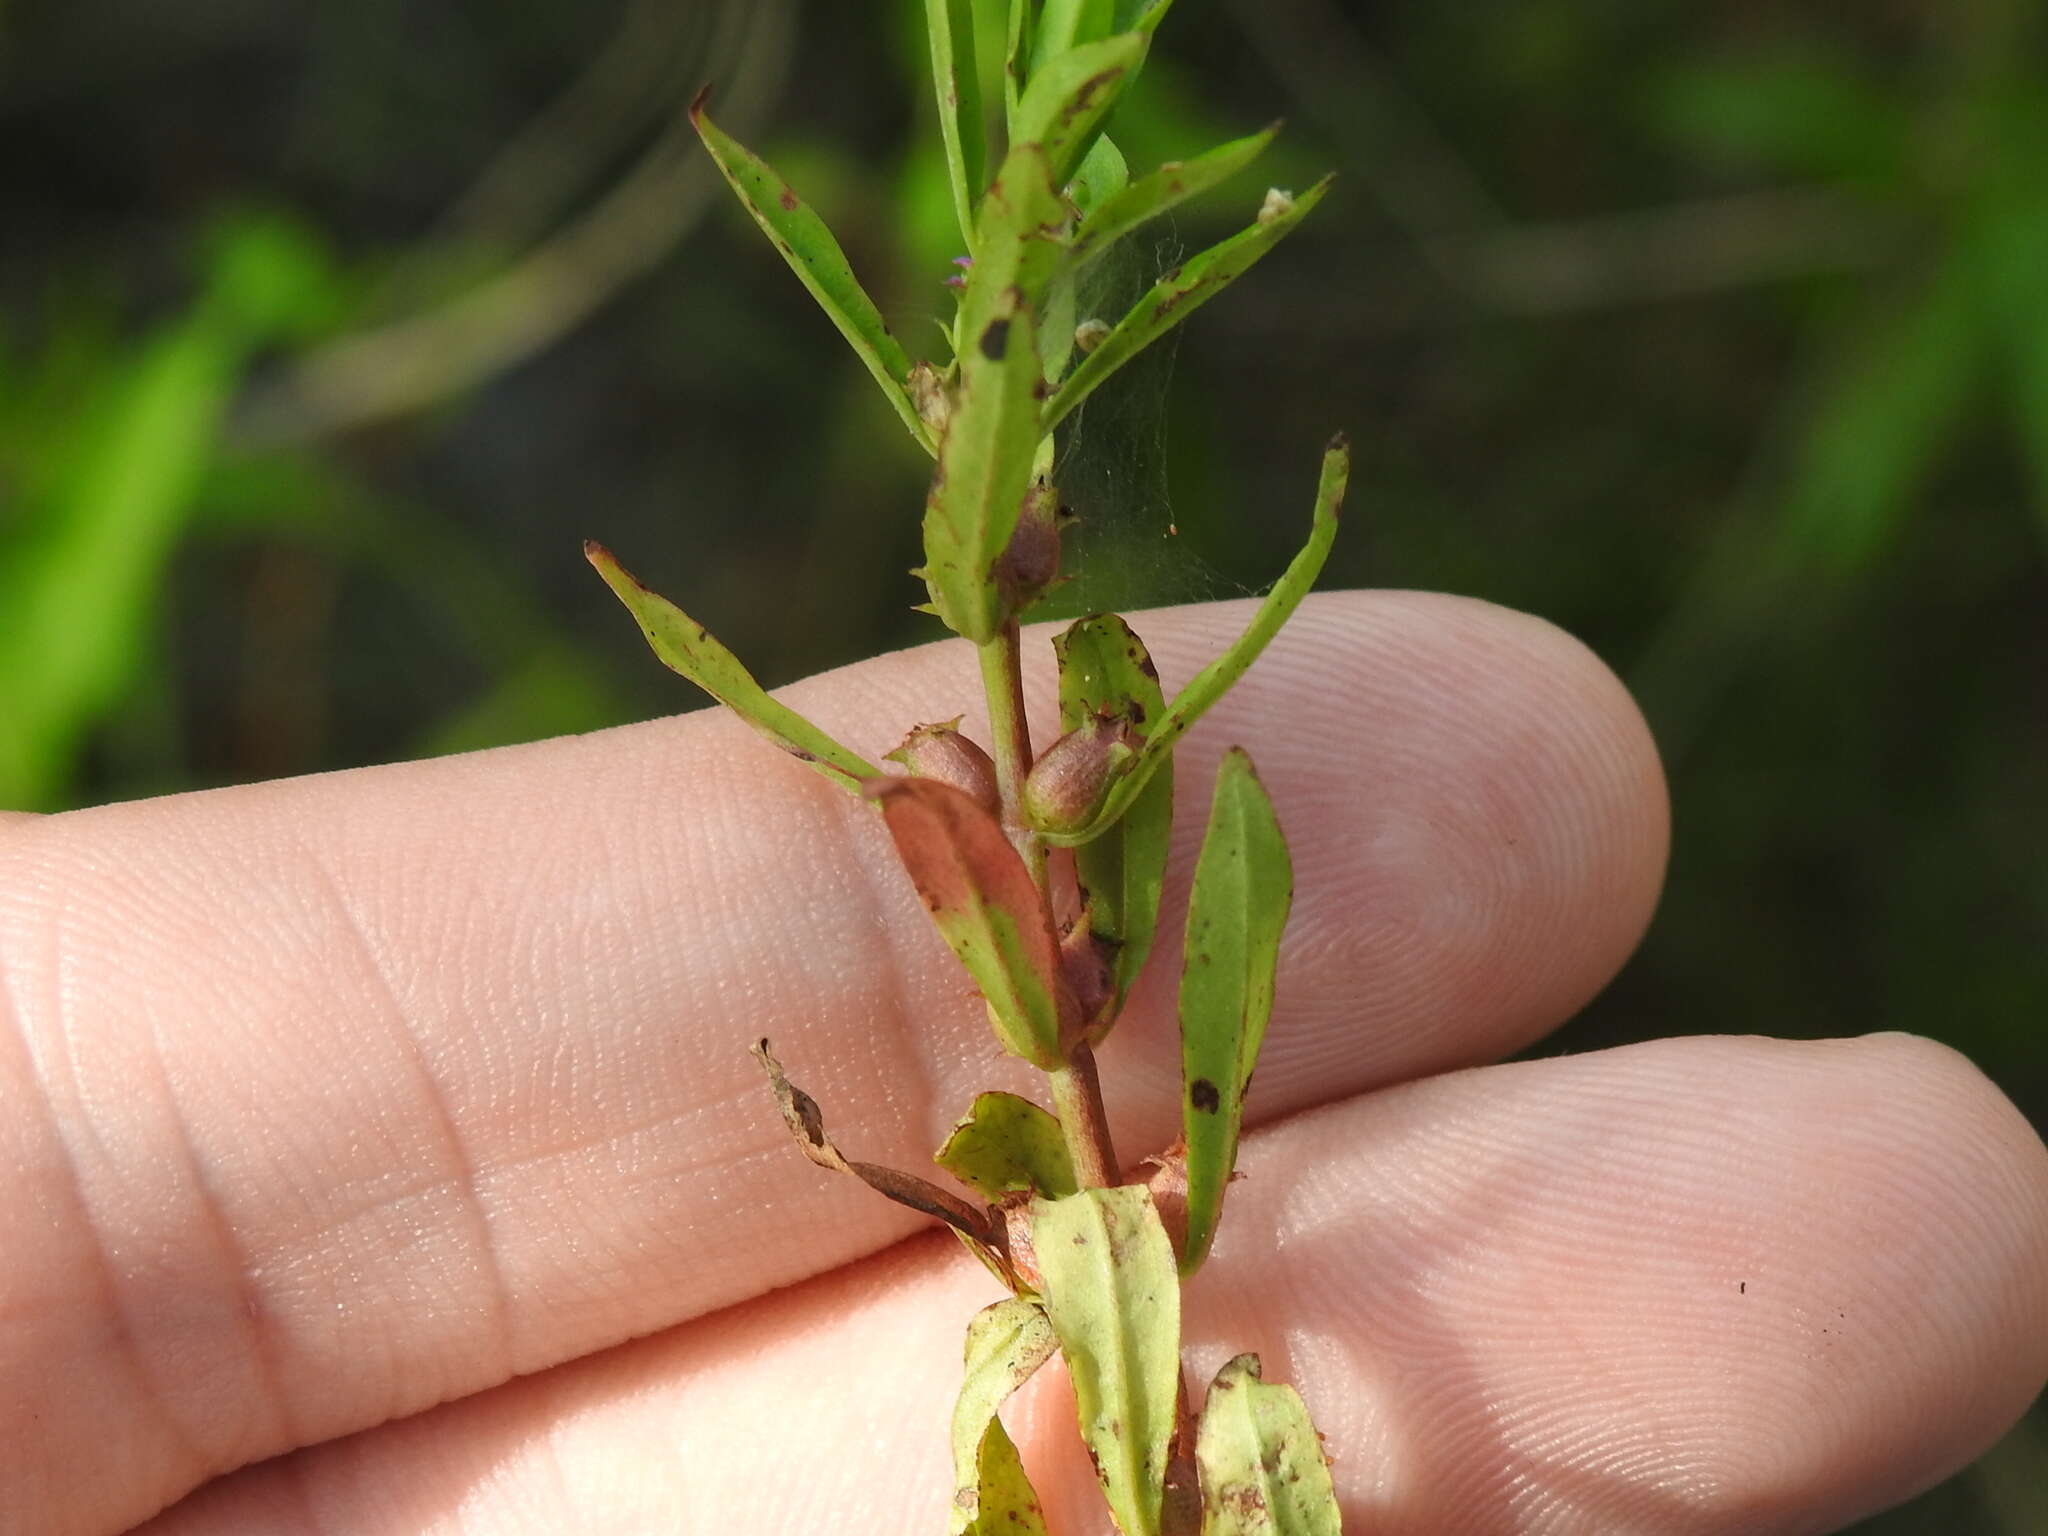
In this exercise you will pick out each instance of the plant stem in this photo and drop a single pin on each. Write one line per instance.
(1002, 679)
(1076, 1089)
(1077, 1097)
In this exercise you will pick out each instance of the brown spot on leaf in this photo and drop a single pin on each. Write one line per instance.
(995, 341)
(1203, 1095)
(788, 200)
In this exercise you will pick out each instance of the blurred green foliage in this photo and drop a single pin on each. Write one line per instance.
(1717, 335)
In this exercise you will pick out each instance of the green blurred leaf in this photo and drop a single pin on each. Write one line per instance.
(1114, 1300)
(957, 84)
(991, 440)
(1109, 220)
(1896, 402)
(77, 593)
(1006, 1344)
(684, 646)
(981, 896)
(1787, 109)
(1237, 910)
(1064, 105)
(1216, 679)
(817, 260)
(1263, 1472)
(1016, 61)
(1104, 670)
(1006, 1144)
(1176, 296)
(1064, 25)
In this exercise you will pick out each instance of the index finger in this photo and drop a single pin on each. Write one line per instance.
(332, 1099)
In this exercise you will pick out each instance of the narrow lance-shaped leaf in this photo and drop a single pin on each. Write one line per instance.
(817, 260)
(1214, 680)
(1008, 1145)
(1064, 25)
(1244, 884)
(984, 467)
(1005, 1502)
(1114, 1299)
(1006, 1344)
(1176, 296)
(1263, 1472)
(957, 83)
(807, 1124)
(685, 646)
(1104, 669)
(1064, 105)
(975, 885)
(1164, 189)
(1016, 62)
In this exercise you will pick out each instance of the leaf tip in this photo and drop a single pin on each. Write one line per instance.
(698, 104)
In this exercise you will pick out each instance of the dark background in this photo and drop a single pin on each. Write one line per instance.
(1716, 334)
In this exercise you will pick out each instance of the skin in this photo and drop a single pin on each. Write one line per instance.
(379, 1152)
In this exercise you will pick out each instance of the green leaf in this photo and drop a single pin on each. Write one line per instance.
(1109, 220)
(1064, 25)
(1005, 1145)
(985, 459)
(1216, 679)
(1263, 1472)
(1114, 1299)
(1063, 107)
(685, 646)
(1005, 1502)
(1006, 1343)
(1176, 296)
(1016, 62)
(957, 84)
(1104, 669)
(978, 891)
(1244, 885)
(817, 260)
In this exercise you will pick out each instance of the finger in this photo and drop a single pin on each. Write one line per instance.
(348, 1095)
(1691, 1287)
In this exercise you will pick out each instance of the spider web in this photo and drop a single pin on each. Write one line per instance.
(1124, 551)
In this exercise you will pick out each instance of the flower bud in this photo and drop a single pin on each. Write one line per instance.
(1073, 776)
(944, 753)
(1030, 562)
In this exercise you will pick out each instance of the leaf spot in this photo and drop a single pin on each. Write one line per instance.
(995, 341)
(1203, 1095)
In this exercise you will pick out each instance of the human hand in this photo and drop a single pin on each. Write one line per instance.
(330, 1101)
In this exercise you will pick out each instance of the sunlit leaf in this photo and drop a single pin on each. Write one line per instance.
(817, 260)
(981, 896)
(1068, 97)
(1263, 1472)
(1216, 679)
(957, 84)
(1104, 669)
(1114, 1299)
(685, 646)
(1244, 884)
(1109, 220)
(1176, 296)
(985, 460)
(1006, 1344)
(1005, 1145)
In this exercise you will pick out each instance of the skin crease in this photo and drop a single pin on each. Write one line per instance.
(325, 1102)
